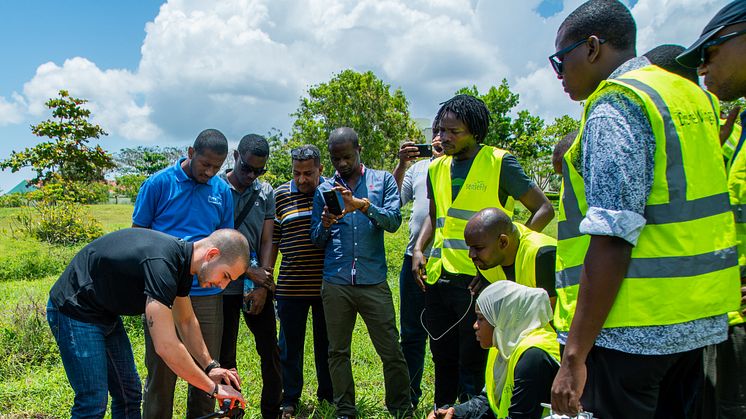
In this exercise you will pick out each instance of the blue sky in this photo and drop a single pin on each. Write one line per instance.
(157, 74)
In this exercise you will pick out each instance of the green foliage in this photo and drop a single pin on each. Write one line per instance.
(14, 200)
(146, 160)
(67, 155)
(280, 163)
(360, 101)
(500, 102)
(726, 107)
(60, 222)
(25, 338)
(30, 259)
(129, 185)
(71, 191)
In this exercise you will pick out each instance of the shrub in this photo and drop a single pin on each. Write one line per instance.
(80, 192)
(129, 185)
(64, 223)
(14, 200)
(25, 339)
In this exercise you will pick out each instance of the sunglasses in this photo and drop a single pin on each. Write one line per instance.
(250, 169)
(304, 154)
(717, 41)
(559, 56)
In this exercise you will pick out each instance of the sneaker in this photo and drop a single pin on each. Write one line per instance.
(288, 412)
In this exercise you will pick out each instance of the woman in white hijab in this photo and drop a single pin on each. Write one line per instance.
(513, 322)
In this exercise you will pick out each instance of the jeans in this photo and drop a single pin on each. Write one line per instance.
(413, 335)
(293, 314)
(375, 306)
(161, 382)
(264, 328)
(97, 359)
(458, 358)
(724, 391)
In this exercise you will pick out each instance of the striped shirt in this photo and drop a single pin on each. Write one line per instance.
(302, 263)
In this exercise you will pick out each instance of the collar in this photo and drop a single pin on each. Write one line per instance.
(339, 179)
(629, 65)
(254, 186)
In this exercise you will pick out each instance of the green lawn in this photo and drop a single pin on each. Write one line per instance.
(33, 382)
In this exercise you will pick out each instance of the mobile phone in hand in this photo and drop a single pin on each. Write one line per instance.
(426, 150)
(333, 201)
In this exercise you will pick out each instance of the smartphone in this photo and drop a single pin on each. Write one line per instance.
(334, 202)
(426, 150)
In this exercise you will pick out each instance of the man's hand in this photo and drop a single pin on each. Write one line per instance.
(351, 203)
(477, 285)
(419, 262)
(408, 152)
(327, 218)
(727, 128)
(442, 414)
(258, 297)
(228, 392)
(568, 387)
(225, 376)
(261, 275)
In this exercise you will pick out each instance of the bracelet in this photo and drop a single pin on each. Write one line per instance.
(215, 391)
(213, 364)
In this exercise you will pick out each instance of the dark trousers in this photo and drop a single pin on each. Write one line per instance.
(264, 328)
(724, 392)
(293, 314)
(458, 358)
(343, 303)
(413, 335)
(623, 385)
(158, 400)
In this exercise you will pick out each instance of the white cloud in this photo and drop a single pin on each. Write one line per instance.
(241, 65)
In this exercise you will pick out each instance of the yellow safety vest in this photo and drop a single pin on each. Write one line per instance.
(685, 264)
(544, 339)
(479, 191)
(525, 258)
(729, 146)
(737, 193)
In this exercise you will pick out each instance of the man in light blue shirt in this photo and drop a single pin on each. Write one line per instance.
(187, 201)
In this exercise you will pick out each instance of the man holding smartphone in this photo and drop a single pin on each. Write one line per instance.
(354, 276)
(412, 184)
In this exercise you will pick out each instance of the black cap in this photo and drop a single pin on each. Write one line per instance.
(731, 14)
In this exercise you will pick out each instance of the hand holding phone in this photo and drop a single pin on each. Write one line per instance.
(333, 201)
(425, 150)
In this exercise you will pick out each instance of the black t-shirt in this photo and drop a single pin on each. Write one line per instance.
(544, 268)
(115, 273)
(513, 180)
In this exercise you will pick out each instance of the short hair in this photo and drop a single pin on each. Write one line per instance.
(664, 56)
(471, 111)
(306, 152)
(609, 20)
(213, 140)
(254, 144)
(232, 244)
(564, 144)
(343, 135)
(491, 221)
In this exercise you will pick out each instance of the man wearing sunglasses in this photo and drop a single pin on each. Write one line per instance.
(646, 257)
(255, 213)
(720, 56)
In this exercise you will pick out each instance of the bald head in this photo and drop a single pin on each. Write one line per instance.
(232, 244)
(490, 221)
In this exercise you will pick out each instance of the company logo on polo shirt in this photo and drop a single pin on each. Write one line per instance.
(215, 199)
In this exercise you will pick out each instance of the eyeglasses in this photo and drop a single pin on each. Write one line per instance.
(717, 41)
(250, 169)
(302, 153)
(558, 57)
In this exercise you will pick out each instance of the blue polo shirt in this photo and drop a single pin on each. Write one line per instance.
(173, 203)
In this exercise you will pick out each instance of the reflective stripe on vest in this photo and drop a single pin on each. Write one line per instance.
(737, 194)
(525, 258)
(479, 191)
(544, 339)
(684, 266)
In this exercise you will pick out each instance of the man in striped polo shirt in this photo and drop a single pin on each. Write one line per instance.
(299, 281)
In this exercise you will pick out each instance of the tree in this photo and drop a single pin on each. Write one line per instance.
(360, 101)
(540, 169)
(67, 157)
(146, 160)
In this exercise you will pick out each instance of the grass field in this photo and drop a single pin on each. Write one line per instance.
(33, 382)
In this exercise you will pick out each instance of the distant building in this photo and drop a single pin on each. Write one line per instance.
(22, 187)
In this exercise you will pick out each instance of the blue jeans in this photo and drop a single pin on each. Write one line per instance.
(413, 335)
(98, 360)
(293, 315)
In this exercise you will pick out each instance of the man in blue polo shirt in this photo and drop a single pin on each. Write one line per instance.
(187, 201)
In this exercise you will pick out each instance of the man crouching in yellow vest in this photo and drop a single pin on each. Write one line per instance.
(502, 249)
(513, 323)
(647, 265)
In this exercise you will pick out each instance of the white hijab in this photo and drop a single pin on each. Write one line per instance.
(514, 311)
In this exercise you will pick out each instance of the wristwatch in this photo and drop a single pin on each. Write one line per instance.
(213, 364)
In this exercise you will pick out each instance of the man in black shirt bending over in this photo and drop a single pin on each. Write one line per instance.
(130, 272)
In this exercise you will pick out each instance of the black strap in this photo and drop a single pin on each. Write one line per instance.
(245, 210)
